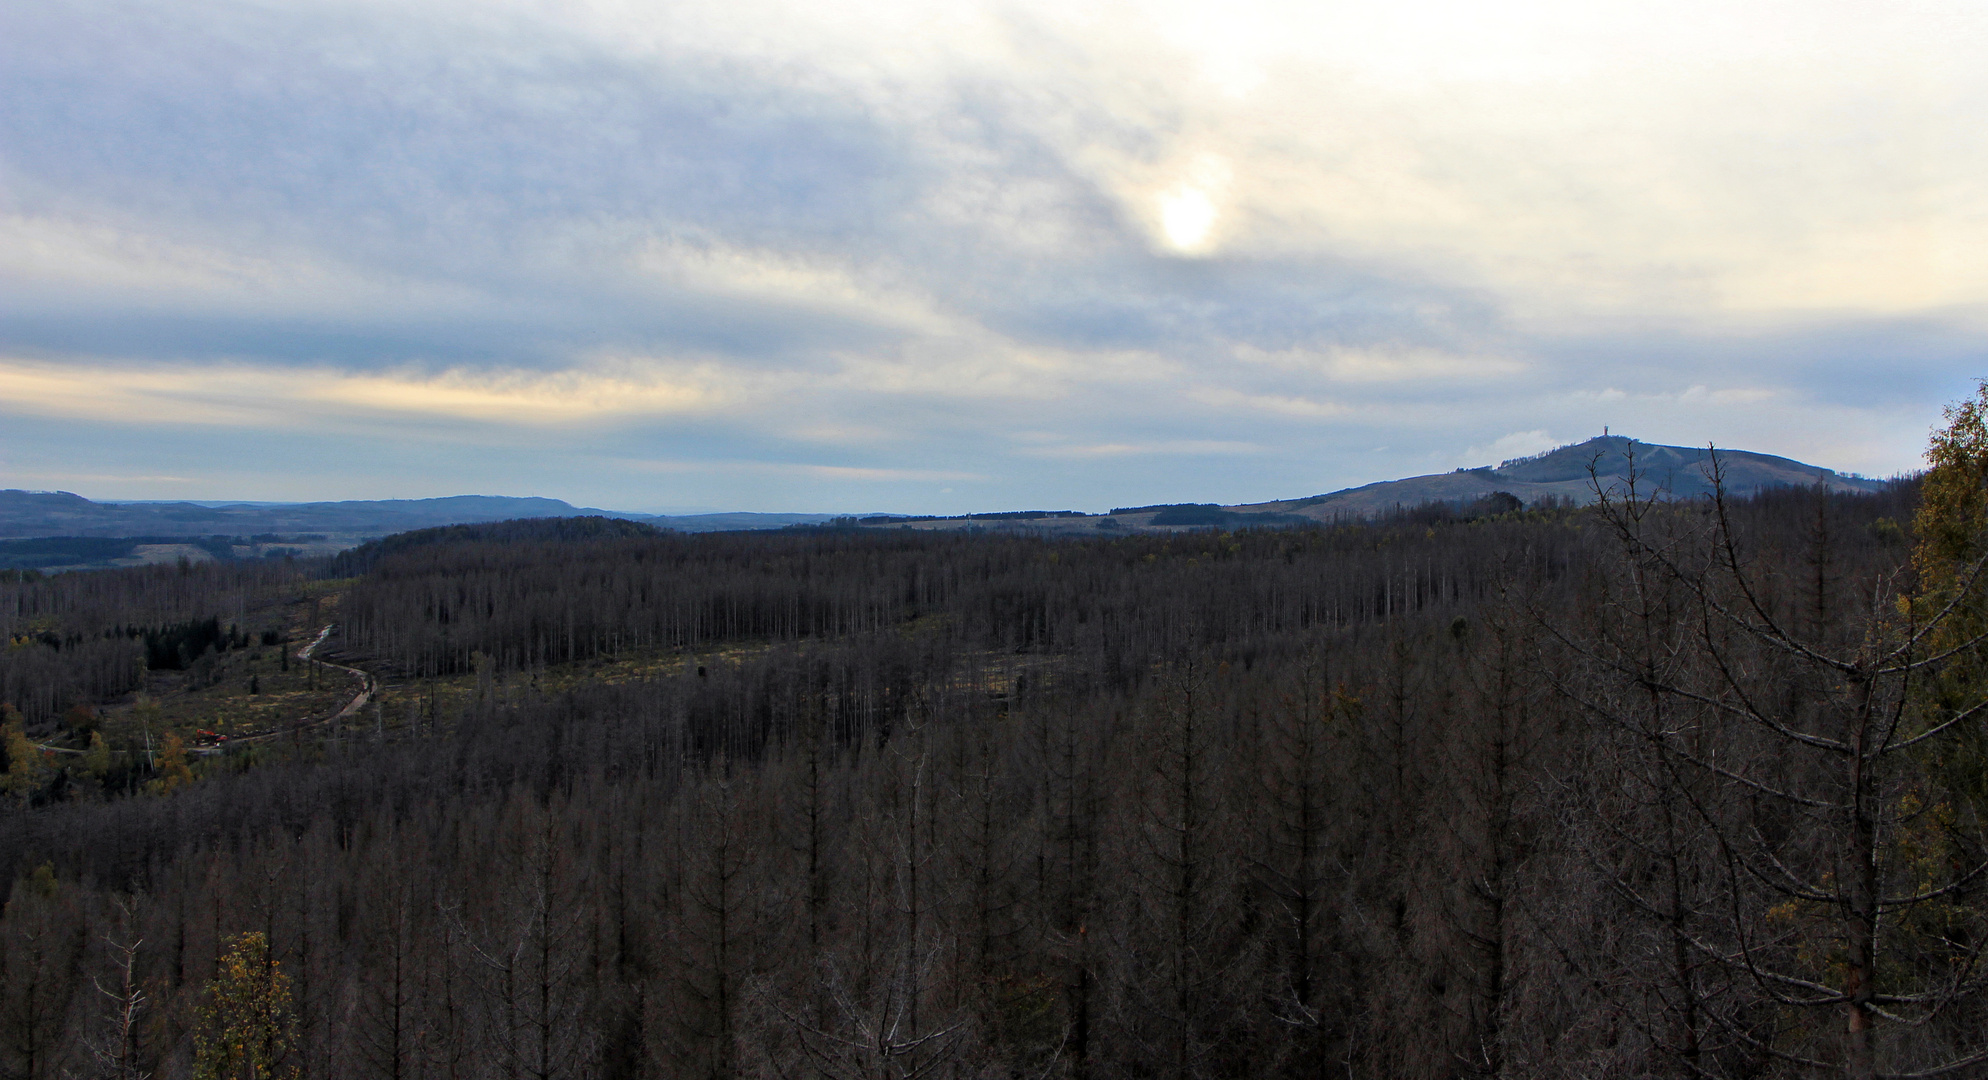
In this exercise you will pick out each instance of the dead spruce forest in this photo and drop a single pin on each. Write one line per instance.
(1650, 788)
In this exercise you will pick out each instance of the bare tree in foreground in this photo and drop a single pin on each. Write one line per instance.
(1828, 779)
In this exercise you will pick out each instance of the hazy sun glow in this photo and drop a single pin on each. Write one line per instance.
(1187, 216)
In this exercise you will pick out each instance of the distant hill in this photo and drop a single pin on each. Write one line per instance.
(165, 531)
(1560, 475)
(61, 513)
(53, 530)
(1572, 473)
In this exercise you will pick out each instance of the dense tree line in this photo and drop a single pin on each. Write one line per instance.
(1649, 789)
(431, 608)
(69, 639)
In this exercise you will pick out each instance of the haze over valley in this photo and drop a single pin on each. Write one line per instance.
(64, 531)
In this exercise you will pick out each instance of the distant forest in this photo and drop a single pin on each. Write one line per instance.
(1651, 788)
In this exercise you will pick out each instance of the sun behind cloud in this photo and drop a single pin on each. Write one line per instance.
(1187, 215)
(1190, 210)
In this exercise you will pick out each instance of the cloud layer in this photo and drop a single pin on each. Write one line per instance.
(772, 256)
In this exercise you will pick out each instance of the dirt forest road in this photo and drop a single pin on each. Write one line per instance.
(359, 699)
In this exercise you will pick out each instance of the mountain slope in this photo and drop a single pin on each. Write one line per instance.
(1575, 473)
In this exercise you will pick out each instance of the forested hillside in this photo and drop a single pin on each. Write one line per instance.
(1645, 789)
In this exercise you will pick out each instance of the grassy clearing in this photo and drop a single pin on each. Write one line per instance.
(234, 692)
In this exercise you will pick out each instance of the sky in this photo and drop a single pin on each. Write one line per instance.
(941, 257)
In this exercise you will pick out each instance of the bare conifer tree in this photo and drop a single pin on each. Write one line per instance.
(1296, 860)
(115, 1049)
(1850, 853)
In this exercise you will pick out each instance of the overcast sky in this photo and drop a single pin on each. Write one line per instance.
(767, 255)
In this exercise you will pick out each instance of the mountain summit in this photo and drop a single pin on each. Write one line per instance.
(1573, 472)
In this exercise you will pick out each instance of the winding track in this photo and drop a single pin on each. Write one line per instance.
(359, 700)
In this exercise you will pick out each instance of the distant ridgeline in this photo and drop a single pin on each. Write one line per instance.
(1571, 475)
(59, 530)
(63, 531)
(62, 513)
(1575, 474)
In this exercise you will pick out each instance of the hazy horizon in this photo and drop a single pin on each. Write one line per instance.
(696, 511)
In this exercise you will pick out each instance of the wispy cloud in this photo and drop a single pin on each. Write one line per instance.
(1283, 404)
(562, 398)
(250, 396)
(1517, 444)
(893, 238)
(1401, 364)
(1161, 448)
(36, 477)
(808, 470)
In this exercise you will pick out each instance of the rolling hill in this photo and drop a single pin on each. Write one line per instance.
(1574, 473)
